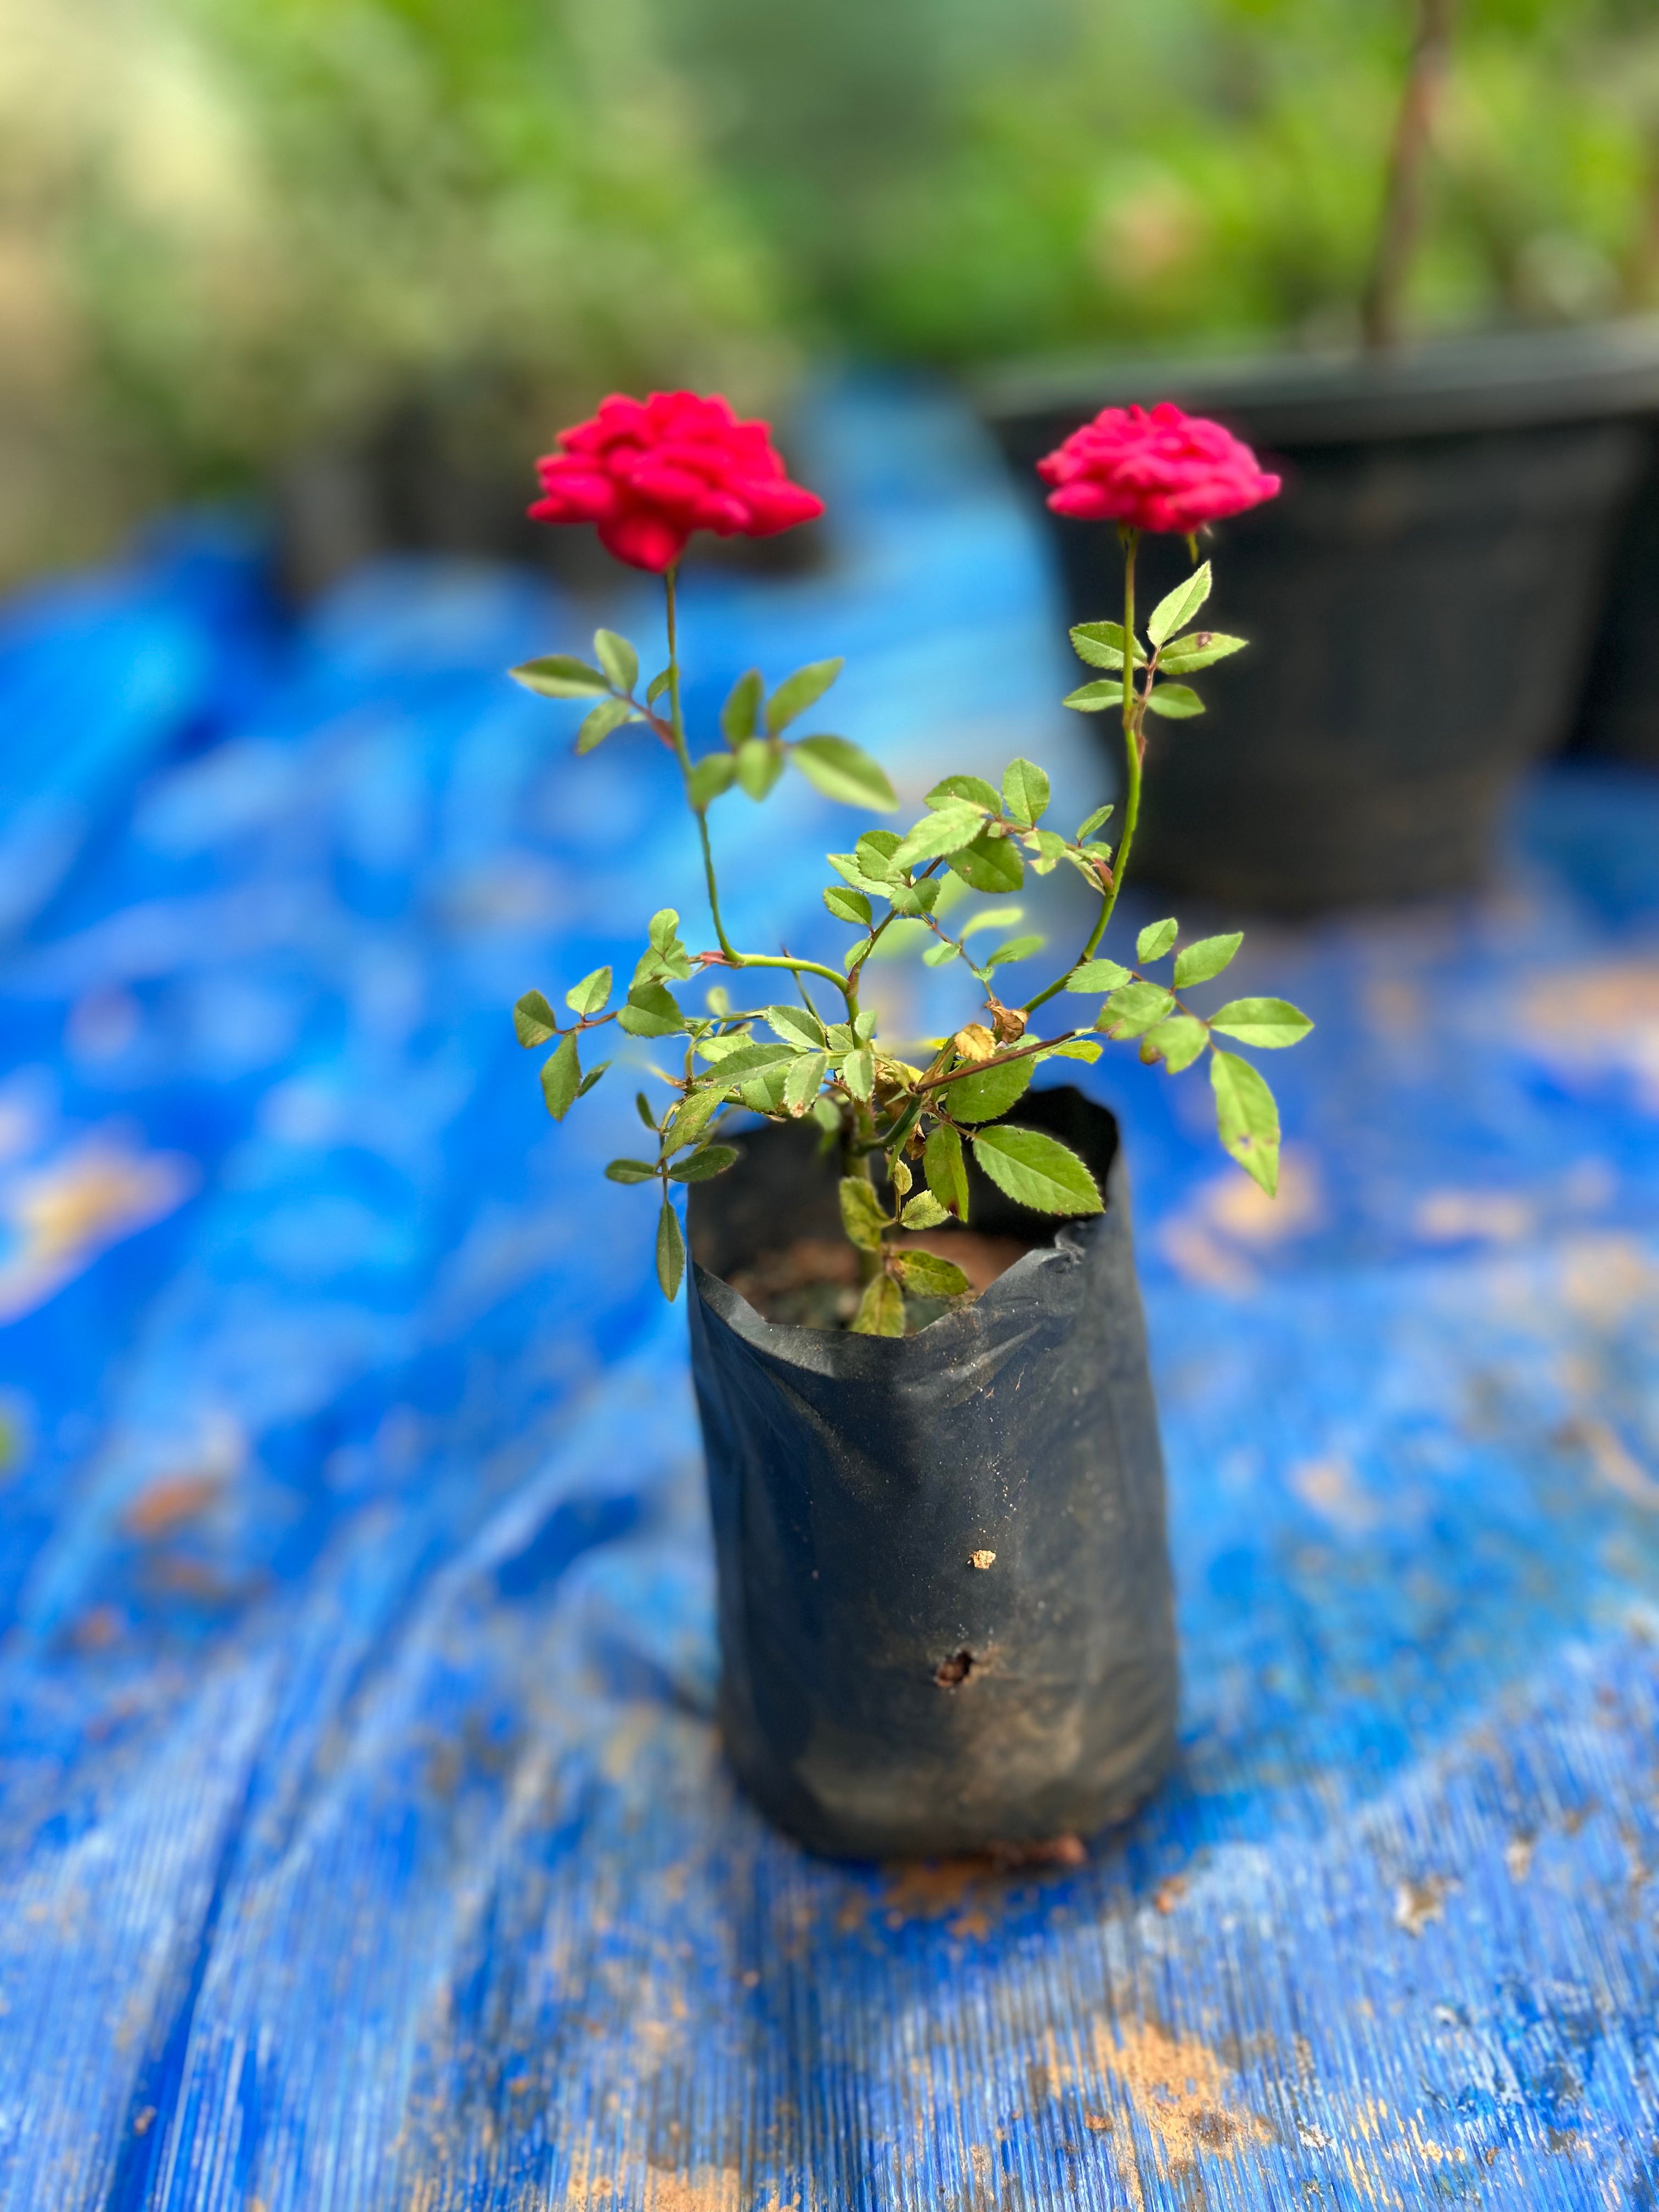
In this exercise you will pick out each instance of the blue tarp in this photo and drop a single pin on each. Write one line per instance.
(364, 1841)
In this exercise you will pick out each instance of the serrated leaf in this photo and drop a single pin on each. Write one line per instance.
(597, 727)
(1155, 940)
(923, 1212)
(714, 1049)
(1133, 1008)
(875, 853)
(861, 1213)
(1074, 1049)
(925, 1275)
(1037, 1171)
(650, 1011)
(991, 917)
(1180, 1040)
(750, 1058)
(692, 1117)
(1089, 639)
(1198, 962)
(881, 1309)
(799, 691)
(588, 997)
(711, 775)
(712, 1160)
(989, 864)
(1095, 698)
(561, 1077)
(630, 1171)
(795, 1026)
(805, 1080)
(533, 1020)
(974, 788)
(670, 1252)
(947, 1178)
(989, 1091)
(1017, 948)
(840, 770)
(947, 829)
(847, 904)
(759, 765)
(617, 658)
(1178, 701)
(1179, 605)
(858, 1072)
(1247, 1118)
(1025, 793)
(1087, 828)
(658, 684)
(663, 930)
(742, 708)
(1090, 976)
(863, 1024)
(560, 676)
(1198, 649)
(1269, 1023)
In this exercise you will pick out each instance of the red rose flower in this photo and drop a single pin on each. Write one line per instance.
(648, 472)
(1163, 471)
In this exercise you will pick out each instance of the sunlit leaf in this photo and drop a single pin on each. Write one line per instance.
(974, 788)
(588, 997)
(1247, 1117)
(1178, 701)
(925, 1275)
(947, 1177)
(1272, 1023)
(670, 1252)
(990, 864)
(945, 830)
(1198, 649)
(533, 1020)
(1133, 1008)
(989, 1091)
(847, 904)
(1206, 957)
(597, 727)
(617, 658)
(760, 764)
(1155, 940)
(561, 1077)
(1179, 605)
(861, 1214)
(799, 691)
(742, 708)
(1025, 793)
(1096, 975)
(1180, 1041)
(560, 676)
(923, 1212)
(711, 775)
(839, 771)
(1037, 1171)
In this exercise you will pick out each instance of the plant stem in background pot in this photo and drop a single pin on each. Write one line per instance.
(1402, 225)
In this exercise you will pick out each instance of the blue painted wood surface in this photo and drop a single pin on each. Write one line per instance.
(363, 1838)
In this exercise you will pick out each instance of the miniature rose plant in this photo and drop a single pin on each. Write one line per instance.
(648, 475)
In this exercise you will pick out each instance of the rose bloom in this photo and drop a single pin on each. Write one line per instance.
(1163, 471)
(646, 473)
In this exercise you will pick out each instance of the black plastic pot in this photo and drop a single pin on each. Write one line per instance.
(1619, 717)
(880, 1694)
(1421, 600)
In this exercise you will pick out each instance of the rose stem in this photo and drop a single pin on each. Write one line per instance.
(1402, 203)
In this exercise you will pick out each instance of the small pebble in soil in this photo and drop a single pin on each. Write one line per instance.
(982, 1559)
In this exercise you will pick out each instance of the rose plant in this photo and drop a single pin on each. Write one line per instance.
(648, 476)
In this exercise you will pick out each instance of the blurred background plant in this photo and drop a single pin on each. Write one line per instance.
(233, 232)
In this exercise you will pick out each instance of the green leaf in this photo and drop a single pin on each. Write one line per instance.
(560, 676)
(1087, 829)
(1261, 1022)
(937, 955)
(1133, 1008)
(795, 1026)
(617, 658)
(591, 1078)
(692, 1117)
(533, 1020)
(923, 1212)
(642, 1108)
(974, 788)
(750, 1058)
(989, 864)
(861, 1214)
(1179, 605)
(738, 715)
(1017, 948)
(1037, 1171)
(858, 1071)
(1025, 793)
(863, 1024)
(827, 1115)
(1093, 975)
(663, 930)
(763, 1093)
(881, 1309)
(630, 1171)
(588, 997)
(712, 1160)
(875, 853)
(847, 904)
(711, 775)
(805, 1080)
(1074, 1049)
(1095, 698)
(658, 684)
(760, 764)
(561, 1077)
(714, 1049)
(1198, 962)
(839, 771)
(926, 1276)
(799, 691)
(1092, 641)
(1180, 1040)
(670, 1252)
(1178, 701)
(947, 830)
(650, 1011)
(947, 1178)
(597, 727)
(991, 917)
(992, 1091)
(1155, 940)
(1246, 1117)
(1197, 650)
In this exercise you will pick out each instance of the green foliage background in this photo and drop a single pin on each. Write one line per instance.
(231, 230)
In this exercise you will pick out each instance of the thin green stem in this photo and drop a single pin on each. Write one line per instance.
(676, 723)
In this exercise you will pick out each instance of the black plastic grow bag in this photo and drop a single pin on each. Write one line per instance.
(880, 1694)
